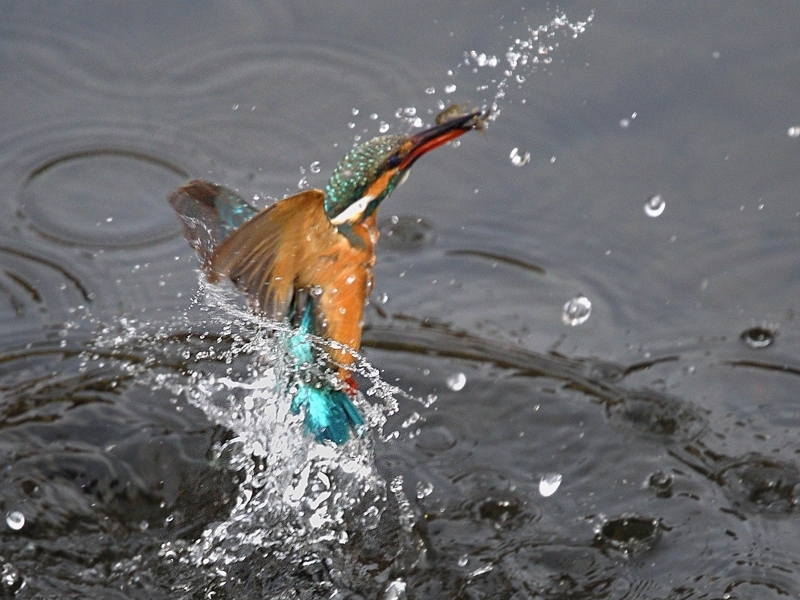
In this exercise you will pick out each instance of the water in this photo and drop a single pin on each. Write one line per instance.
(549, 484)
(148, 465)
(654, 206)
(15, 520)
(577, 311)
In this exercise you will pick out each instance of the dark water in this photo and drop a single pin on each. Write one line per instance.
(670, 415)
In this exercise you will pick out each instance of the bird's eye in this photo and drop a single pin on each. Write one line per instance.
(393, 161)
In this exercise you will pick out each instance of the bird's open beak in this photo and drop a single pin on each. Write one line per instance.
(427, 140)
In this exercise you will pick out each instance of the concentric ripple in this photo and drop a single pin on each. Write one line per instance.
(97, 186)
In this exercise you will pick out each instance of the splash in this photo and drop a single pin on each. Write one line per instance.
(293, 493)
(529, 53)
(500, 76)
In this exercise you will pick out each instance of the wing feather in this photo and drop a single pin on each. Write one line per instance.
(209, 213)
(263, 256)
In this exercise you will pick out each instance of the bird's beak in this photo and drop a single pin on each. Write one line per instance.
(427, 140)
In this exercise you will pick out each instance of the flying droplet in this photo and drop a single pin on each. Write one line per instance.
(342, 537)
(424, 489)
(396, 590)
(624, 123)
(549, 484)
(518, 159)
(457, 381)
(758, 337)
(654, 206)
(315, 167)
(450, 88)
(463, 560)
(794, 131)
(430, 90)
(15, 520)
(382, 298)
(577, 311)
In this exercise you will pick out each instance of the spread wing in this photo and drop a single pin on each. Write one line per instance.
(210, 213)
(264, 256)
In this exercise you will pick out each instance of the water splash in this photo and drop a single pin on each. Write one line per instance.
(530, 52)
(497, 75)
(293, 493)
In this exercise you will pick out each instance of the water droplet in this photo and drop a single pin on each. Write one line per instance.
(411, 420)
(396, 590)
(316, 290)
(350, 279)
(457, 381)
(549, 484)
(794, 131)
(315, 167)
(343, 537)
(384, 127)
(661, 484)
(355, 112)
(463, 560)
(577, 311)
(383, 298)
(351, 125)
(654, 206)
(430, 90)
(518, 159)
(15, 520)
(449, 89)
(424, 489)
(303, 183)
(409, 111)
(371, 517)
(758, 337)
(624, 123)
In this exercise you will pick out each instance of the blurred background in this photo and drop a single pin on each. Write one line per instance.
(590, 307)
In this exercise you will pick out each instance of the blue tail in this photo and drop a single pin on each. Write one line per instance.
(329, 413)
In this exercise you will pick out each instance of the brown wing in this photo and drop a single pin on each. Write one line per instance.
(263, 256)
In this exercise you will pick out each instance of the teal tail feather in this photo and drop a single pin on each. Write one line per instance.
(329, 413)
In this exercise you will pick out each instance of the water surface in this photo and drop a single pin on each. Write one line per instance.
(139, 454)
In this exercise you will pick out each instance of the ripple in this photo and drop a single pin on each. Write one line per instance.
(36, 290)
(406, 233)
(761, 484)
(435, 439)
(98, 186)
(657, 414)
(629, 534)
(758, 337)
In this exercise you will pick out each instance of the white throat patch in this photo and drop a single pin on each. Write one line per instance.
(353, 212)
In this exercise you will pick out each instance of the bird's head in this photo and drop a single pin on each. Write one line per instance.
(370, 171)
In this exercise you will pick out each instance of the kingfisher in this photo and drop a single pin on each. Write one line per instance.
(307, 261)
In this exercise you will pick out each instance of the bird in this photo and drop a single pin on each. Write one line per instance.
(307, 261)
